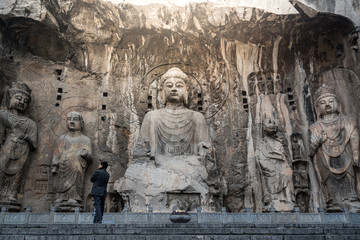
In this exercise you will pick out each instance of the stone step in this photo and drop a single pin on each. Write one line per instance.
(181, 237)
(179, 231)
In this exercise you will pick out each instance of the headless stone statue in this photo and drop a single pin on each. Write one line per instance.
(335, 148)
(173, 156)
(278, 190)
(17, 138)
(72, 154)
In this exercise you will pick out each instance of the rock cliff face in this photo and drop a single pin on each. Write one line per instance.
(105, 60)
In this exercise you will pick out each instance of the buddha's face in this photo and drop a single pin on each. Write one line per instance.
(175, 90)
(270, 126)
(74, 122)
(19, 101)
(327, 105)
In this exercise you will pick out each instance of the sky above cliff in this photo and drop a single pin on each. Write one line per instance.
(276, 6)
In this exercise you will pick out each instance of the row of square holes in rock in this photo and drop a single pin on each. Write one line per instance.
(200, 102)
(290, 99)
(60, 91)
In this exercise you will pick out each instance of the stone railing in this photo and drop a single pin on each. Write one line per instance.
(198, 217)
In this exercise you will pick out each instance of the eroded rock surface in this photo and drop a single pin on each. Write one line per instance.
(104, 61)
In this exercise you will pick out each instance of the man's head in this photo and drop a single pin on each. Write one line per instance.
(19, 96)
(326, 100)
(173, 85)
(74, 121)
(103, 165)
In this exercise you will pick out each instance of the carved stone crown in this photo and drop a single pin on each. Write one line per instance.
(324, 91)
(20, 87)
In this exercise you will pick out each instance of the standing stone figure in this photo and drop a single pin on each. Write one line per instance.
(335, 147)
(173, 162)
(17, 139)
(276, 173)
(71, 156)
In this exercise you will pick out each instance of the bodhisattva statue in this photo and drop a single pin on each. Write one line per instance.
(276, 173)
(335, 147)
(71, 156)
(173, 163)
(18, 135)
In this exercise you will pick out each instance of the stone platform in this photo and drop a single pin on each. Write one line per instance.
(203, 225)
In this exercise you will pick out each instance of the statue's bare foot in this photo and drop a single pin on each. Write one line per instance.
(72, 201)
(59, 200)
(12, 199)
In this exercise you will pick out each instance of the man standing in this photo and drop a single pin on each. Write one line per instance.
(100, 180)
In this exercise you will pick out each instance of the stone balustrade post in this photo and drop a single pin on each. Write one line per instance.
(150, 218)
(52, 214)
(248, 215)
(198, 213)
(4, 209)
(322, 214)
(77, 213)
(347, 215)
(27, 214)
(126, 213)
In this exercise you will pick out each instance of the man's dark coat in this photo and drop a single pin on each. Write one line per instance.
(100, 180)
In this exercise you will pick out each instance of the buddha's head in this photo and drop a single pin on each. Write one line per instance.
(174, 86)
(19, 96)
(270, 126)
(326, 100)
(74, 121)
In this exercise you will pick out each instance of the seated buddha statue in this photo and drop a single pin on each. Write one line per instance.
(173, 156)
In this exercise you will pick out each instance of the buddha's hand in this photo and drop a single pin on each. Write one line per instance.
(85, 154)
(356, 161)
(319, 139)
(204, 148)
(24, 137)
(54, 169)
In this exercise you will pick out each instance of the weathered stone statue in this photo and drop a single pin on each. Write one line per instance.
(71, 156)
(17, 138)
(335, 147)
(173, 162)
(276, 173)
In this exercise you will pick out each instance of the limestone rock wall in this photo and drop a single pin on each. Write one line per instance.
(104, 60)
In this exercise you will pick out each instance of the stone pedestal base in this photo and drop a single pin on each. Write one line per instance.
(164, 183)
(68, 207)
(11, 205)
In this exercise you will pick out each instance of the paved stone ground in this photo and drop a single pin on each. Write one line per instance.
(179, 231)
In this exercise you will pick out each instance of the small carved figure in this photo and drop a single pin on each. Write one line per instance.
(275, 171)
(71, 156)
(17, 138)
(252, 84)
(296, 149)
(334, 144)
(301, 178)
(261, 84)
(302, 199)
(269, 84)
